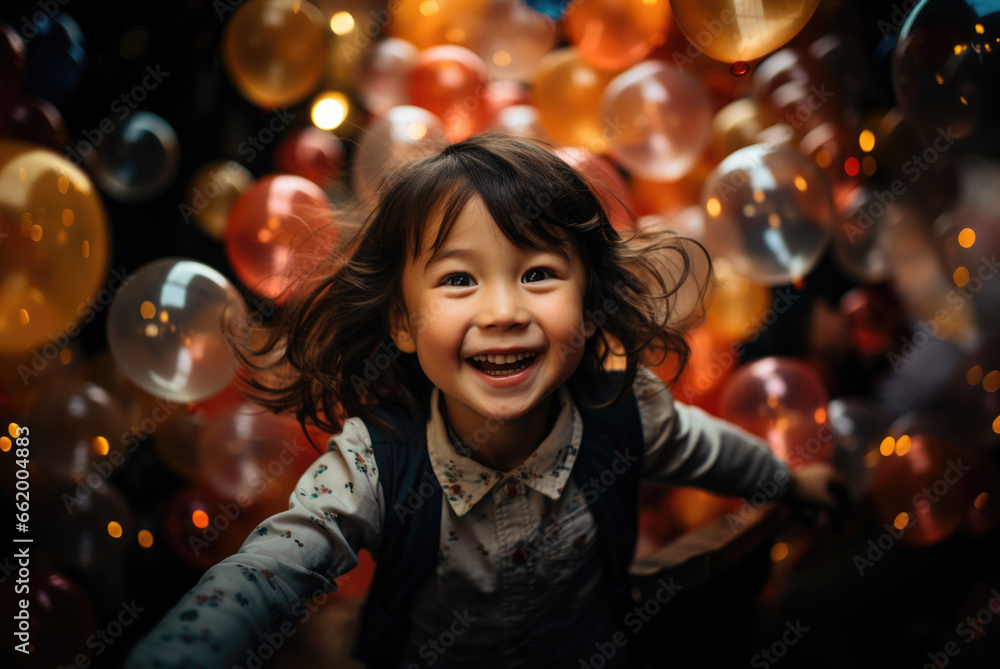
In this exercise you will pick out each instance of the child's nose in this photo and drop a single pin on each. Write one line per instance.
(503, 308)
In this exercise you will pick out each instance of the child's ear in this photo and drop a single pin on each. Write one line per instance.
(399, 330)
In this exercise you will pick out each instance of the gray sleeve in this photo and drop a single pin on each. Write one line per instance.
(248, 605)
(684, 445)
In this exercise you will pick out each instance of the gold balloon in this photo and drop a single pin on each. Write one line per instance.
(738, 124)
(613, 34)
(427, 23)
(567, 93)
(729, 31)
(736, 310)
(214, 188)
(53, 247)
(275, 50)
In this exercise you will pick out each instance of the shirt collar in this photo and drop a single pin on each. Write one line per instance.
(546, 470)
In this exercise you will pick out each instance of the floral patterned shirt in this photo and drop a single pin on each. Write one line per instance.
(517, 561)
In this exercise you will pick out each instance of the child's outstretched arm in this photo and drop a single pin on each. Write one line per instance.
(248, 604)
(687, 446)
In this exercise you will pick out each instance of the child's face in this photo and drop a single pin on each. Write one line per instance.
(481, 295)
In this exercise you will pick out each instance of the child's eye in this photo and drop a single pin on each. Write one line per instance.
(460, 280)
(536, 274)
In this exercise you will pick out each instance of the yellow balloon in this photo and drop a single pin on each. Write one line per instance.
(567, 92)
(53, 247)
(275, 50)
(214, 188)
(729, 31)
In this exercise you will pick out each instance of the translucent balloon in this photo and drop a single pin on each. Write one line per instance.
(567, 90)
(514, 39)
(770, 213)
(730, 32)
(250, 455)
(661, 120)
(612, 35)
(858, 429)
(611, 187)
(56, 55)
(91, 527)
(913, 461)
(834, 148)
(856, 245)
(37, 121)
(77, 430)
(211, 194)
(404, 133)
(521, 121)
(138, 159)
(276, 228)
(737, 306)
(385, 69)
(312, 153)
(783, 401)
(164, 329)
(54, 249)
(945, 69)
(275, 50)
(739, 124)
(503, 94)
(452, 83)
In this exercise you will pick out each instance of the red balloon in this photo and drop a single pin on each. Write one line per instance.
(452, 82)
(276, 229)
(203, 528)
(312, 153)
(611, 186)
(783, 401)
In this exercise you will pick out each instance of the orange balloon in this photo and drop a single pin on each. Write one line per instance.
(616, 34)
(724, 31)
(567, 93)
(670, 197)
(53, 248)
(737, 305)
(275, 50)
(611, 187)
(427, 23)
(452, 83)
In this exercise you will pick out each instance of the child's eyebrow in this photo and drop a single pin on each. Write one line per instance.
(441, 256)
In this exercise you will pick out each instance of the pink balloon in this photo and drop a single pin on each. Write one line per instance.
(383, 73)
(522, 121)
(452, 82)
(312, 153)
(657, 120)
(513, 39)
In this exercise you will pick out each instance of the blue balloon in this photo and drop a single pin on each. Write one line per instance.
(551, 8)
(138, 160)
(56, 55)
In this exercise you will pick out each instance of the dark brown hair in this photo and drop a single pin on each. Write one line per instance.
(329, 354)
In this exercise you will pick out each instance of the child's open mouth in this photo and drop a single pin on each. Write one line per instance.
(500, 364)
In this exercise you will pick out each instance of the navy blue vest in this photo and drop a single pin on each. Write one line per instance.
(411, 532)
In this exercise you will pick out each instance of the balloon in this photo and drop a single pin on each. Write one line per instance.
(12, 62)
(275, 228)
(250, 455)
(737, 306)
(856, 245)
(176, 445)
(858, 428)
(404, 133)
(427, 24)
(610, 186)
(567, 91)
(770, 213)
(738, 124)
(783, 401)
(164, 329)
(312, 153)
(385, 69)
(788, 65)
(670, 197)
(834, 148)
(945, 70)
(843, 57)
(88, 527)
(661, 120)
(711, 361)
(521, 121)
(503, 94)
(211, 194)
(53, 247)
(138, 160)
(551, 8)
(514, 39)
(56, 56)
(727, 31)
(37, 121)
(79, 432)
(613, 35)
(452, 83)
(275, 50)
(873, 318)
(60, 616)
(202, 528)
(916, 486)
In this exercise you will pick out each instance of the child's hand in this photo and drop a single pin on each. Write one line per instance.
(818, 488)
